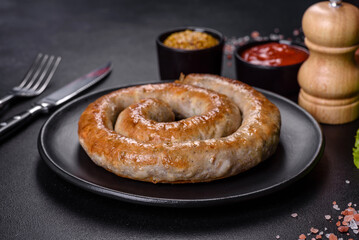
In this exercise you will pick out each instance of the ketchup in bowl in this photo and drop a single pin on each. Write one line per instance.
(274, 54)
(271, 65)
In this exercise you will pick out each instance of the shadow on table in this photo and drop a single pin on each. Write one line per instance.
(117, 214)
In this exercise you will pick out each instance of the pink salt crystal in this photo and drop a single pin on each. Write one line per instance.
(255, 34)
(332, 237)
(302, 236)
(348, 218)
(314, 230)
(296, 32)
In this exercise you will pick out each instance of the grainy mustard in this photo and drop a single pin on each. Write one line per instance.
(190, 40)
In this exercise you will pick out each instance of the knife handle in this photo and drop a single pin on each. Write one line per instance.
(11, 125)
(5, 100)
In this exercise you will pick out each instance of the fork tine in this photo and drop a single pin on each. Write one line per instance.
(37, 72)
(31, 70)
(37, 84)
(43, 73)
(49, 76)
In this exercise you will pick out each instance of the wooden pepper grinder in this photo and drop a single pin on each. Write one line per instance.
(329, 78)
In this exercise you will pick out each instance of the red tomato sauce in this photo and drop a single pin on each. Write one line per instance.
(274, 54)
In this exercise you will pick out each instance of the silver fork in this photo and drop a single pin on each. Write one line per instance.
(36, 79)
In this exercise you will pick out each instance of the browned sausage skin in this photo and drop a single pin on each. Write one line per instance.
(218, 151)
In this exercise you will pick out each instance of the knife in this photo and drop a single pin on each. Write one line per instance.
(55, 99)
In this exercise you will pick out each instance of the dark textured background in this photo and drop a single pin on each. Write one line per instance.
(37, 204)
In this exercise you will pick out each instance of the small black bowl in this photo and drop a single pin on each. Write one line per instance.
(172, 61)
(278, 79)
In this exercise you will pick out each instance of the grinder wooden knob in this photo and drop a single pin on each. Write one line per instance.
(329, 78)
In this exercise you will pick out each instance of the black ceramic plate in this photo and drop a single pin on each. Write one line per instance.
(300, 148)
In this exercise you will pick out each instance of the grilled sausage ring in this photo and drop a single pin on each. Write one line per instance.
(226, 128)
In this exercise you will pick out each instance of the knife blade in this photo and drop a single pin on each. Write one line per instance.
(77, 86)
(55, 99)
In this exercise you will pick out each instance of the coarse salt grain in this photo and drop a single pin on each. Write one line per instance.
(348, 218)
(302, 236)
(348, 211)
(275, 37)
(353, 225)
(296, 32)
(255, 34)
(294, 215)
(277, 237)
(332, 237)
(347, 181)
(343, 229)
(335, 206)
(314, 230)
